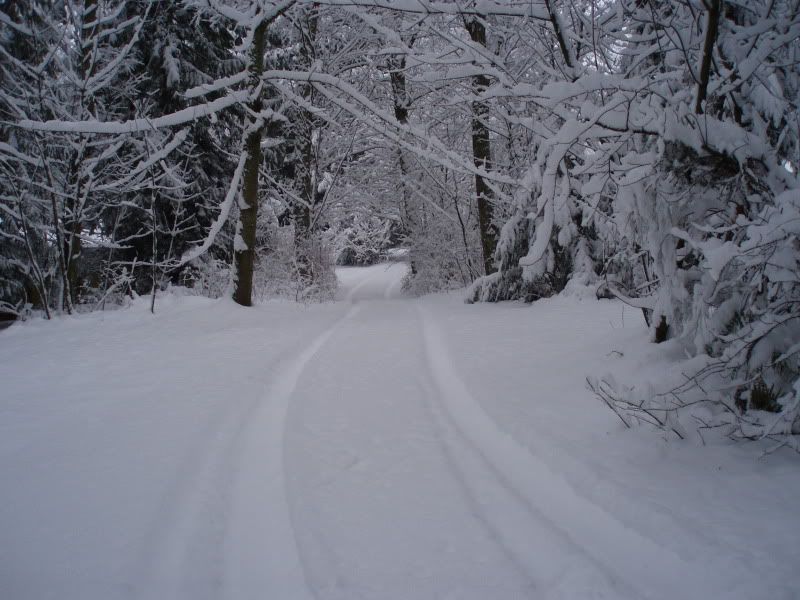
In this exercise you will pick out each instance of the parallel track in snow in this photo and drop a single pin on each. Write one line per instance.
(499, 471)
(355, 450)
(533, 515)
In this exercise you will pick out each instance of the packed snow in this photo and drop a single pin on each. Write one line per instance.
(374, 447)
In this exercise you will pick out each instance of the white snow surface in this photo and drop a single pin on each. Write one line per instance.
(376, 447)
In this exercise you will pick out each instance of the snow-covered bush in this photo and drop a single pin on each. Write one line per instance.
(514, 282)
(362, 241)
(279, 272)
(663, 160)
(743, 323)
(207, 276)
(440, 258)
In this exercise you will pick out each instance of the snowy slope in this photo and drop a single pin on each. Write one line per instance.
(375, 447)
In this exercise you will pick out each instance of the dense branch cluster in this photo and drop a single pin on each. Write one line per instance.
(647, 148)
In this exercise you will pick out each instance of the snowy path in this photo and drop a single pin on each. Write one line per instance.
(376, 447)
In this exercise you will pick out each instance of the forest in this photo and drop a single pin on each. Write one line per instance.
(399, 299)
(646, 148)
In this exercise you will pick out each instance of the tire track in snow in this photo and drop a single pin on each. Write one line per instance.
(701, 543)
(194, 523)
(376, 272)
(533, 543)
(582, 526)
(378, 508)
(454, 455)
(519, 529)
(197, 495)
(263, 559)
(393, 289)
(360, 286)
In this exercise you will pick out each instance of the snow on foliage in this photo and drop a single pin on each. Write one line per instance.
(645, 148)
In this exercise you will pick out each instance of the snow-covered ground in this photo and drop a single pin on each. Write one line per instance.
(375, 447)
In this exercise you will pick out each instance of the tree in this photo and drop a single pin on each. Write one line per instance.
(482, 149)
(66, 62)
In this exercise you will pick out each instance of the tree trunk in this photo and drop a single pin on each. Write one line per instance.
(245, 242)
(401, 102)
(73, 225)
(482, 155)
(307, 126)
(712, 25)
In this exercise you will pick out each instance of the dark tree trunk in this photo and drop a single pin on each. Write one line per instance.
(244, 251)
(401, 103)
(482, 155)
(712, 25)
(307, 125)
(303, 211)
